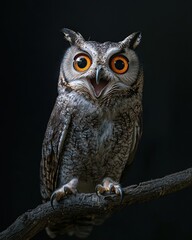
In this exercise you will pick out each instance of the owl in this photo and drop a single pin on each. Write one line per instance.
(95, 125)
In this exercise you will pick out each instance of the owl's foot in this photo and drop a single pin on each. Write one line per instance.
(109, 187)
(65, 190)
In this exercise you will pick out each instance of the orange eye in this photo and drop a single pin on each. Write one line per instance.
(119, 64)
(82, 62)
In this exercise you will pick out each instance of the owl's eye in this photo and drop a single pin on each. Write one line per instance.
(82, 62)
(119, 64)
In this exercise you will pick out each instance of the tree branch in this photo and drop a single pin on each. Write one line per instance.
(31, 222)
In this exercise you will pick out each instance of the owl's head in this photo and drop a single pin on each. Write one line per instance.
(99, 69)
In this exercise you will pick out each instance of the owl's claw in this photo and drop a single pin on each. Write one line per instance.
(117, 190)
(100, 190)
(109, 187)
(52, 198)
(65, 190)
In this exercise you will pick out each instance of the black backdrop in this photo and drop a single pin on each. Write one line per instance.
(31, 52)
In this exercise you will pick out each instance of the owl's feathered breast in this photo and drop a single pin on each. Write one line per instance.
(87, 140)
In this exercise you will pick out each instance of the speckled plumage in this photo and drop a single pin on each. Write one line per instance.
(92, 136)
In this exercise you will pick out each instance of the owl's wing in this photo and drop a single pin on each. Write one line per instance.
(52, 147)
(136, 135)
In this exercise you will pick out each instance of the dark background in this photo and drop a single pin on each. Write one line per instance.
(31, 53)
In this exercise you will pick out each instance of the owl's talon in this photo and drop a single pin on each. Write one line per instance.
(116, 188)
(110, 187)
(52, 199)
(65, 190)
(57, 195)
(119, 191)
(99, 190)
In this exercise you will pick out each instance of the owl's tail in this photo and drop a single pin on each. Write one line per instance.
(80, 228)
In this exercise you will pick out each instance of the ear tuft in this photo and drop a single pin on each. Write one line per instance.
(72, 37)
(132, 41)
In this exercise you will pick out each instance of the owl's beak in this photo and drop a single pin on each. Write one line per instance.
(98, 83)
(98, 74)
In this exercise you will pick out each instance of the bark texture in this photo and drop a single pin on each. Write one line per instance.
(31, 222)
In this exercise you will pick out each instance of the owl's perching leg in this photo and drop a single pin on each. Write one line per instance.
(109, 186)
(66, 189)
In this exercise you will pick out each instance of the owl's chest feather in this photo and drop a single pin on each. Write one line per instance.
(99, 129)
(97, 141)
